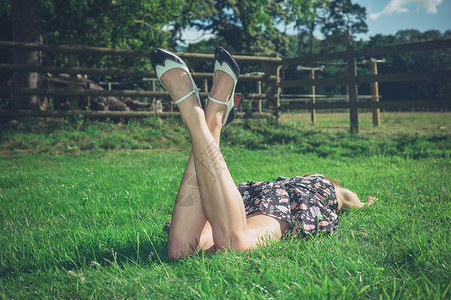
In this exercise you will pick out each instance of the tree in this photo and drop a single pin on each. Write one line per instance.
(252, 26)
(142, 24)
(310, 24)
(246, 26)
(339, 19)
(346, 17)
(5, 55)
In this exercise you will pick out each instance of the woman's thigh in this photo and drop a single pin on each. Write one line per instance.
(260, 229)
(263, 228)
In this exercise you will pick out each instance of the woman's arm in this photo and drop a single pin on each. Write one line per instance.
(347, 198)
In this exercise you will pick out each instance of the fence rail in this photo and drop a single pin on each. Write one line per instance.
(394, 77)
(352, 80)
(87, 50)
(97, 114)
(376, 51)
(431, 103)
(116, 72)
(101, 93)
(270, 78)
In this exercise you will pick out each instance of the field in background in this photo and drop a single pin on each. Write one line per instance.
(392, 123)
(83, 204)
(425, 131)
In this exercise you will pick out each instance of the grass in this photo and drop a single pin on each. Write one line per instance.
(419, 135)
(87, 222)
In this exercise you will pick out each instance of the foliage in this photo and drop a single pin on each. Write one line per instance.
(337, 18)
(251, 26)
(142, 24)
(115, 24)
(345, 17)
(241, 26)
(247, 26)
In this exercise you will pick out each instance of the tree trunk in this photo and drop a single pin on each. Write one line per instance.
(312, 27)
(26, 28)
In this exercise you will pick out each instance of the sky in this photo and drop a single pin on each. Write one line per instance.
(387, 17)
(390, 16)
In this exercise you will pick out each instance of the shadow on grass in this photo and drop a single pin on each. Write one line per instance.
(88, 255)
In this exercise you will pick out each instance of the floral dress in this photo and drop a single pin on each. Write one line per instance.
(308, 203)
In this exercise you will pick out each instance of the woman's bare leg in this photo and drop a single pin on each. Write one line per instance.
(221, 201)
(189, 226)
(188, 218)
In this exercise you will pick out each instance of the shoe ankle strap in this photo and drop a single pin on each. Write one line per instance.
(217, 101)
(195, 90)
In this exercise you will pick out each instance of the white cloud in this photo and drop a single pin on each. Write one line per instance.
(429, 5)
(400, 6)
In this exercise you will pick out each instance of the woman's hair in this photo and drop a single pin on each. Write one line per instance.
(331, 180)
(334, 182)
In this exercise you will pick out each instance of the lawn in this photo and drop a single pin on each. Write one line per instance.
(83, 204)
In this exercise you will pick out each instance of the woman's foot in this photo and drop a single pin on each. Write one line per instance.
(174, 75)
(221, 90)
(225, 78)
(178, 83)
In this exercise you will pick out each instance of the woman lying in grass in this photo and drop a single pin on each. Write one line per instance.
(211, 212)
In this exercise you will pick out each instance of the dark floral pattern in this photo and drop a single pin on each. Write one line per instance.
(308, 203)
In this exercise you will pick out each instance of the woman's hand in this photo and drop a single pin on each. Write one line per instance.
(370, 200)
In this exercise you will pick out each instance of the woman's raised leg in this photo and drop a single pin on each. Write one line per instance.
(189, 227)
(221, 201)
(219, 198)
(188, 218)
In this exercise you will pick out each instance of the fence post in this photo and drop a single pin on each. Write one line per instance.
(153, 89)
(352, 90)
(73, 82)
(205, 85)
(259, 92)
(154, 99)
(375, 93)
(278, 89)
(272, 91)
(312, 92)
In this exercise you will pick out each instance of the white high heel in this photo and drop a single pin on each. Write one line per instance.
(225, 62)
(163, 61)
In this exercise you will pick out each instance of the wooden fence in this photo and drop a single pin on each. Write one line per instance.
(352, 79)
(270, 78)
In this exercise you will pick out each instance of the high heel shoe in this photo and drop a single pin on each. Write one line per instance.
(225, 62)
(237, 100)
(163, 61)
